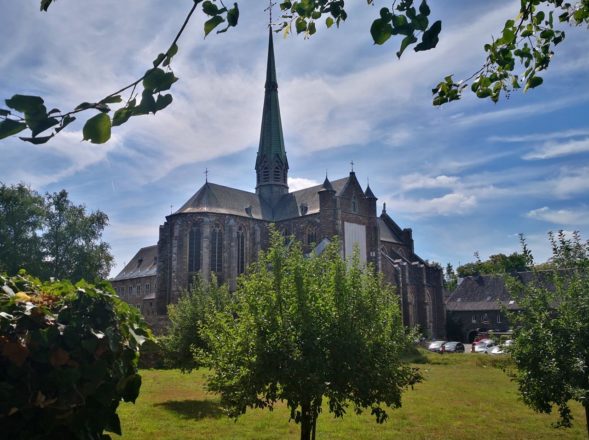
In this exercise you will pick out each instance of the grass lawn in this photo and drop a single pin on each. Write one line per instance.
(463, 397)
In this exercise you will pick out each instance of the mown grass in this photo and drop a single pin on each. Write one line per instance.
(463, 397)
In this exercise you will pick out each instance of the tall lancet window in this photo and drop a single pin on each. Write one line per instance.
(240, 250)
(277, 174)
(194, 243)
(217, 249)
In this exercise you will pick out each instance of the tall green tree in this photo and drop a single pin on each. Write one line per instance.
(551, 349)
(302, 330)
(72, 241)
(22, 215)
(50, 236)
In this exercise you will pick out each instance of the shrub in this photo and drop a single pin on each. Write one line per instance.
(68, 356)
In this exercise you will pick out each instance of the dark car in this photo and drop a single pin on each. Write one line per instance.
(454, 347)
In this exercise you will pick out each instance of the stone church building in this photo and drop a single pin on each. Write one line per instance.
(221, 229)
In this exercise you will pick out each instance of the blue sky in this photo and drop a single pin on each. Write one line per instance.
(466, 177)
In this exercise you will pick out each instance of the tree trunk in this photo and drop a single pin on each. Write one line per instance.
(306, 422)
(314, 426)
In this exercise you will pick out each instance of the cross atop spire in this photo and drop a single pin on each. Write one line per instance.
(269, 9)
(352, 166)
(206, 175)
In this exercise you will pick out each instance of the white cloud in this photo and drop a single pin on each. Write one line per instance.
(417, 181)
(570, 182)
(535, 137)
(296, 183)
(551, 150)
(562, 217)
(448, 204)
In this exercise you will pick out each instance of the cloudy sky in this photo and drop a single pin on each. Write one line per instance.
(466, 177)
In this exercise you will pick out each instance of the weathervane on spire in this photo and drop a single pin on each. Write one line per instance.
(352, 165)
(269, 9)
(206, 175)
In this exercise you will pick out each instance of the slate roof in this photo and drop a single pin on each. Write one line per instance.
(221, 199)
(143, 264)
(483, 292)
(387, 233)
(487, 292)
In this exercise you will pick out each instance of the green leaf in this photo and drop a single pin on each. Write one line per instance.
(233, 15)
(329, 22)
(40, 124)
(121, 116)
(156, 80)
(97, 129)
(131, 388)
(430, 39)
(533, 82)
(147, 104)
(311, 28)
(36, 140)
(8, 127)
(381, 31)
(114, 424)
(159, 59)
(111, 99)
(173, 50)
(301, 25)
(424, 8)
(84, 106)
(210, 8)
(163, 101)
(4, 112)
(409, 39)
(45, 4)
(212, 24)
(24, 103)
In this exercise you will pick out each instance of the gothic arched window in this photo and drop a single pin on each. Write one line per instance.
(240, 250)
(217, 249)
(354, 204)
(194, 242)
(311, 235)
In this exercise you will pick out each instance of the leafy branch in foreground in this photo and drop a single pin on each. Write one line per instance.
(30, 112)
(526, 42)
(68, 356)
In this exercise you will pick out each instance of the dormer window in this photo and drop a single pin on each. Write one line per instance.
(304, 208)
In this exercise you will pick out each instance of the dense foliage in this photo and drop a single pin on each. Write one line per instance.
(551, 347)
(515, 58)
(496, 264)
(183, 340)
(68, 356)
(50, 236)
(302, 329)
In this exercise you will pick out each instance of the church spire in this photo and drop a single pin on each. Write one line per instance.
(271, 162)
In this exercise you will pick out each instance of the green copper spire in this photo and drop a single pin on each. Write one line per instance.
(271, 162)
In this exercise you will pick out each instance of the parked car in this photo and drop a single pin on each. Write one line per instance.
(502, 348)
(484, 346)
(454, 347)
(436, 346)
